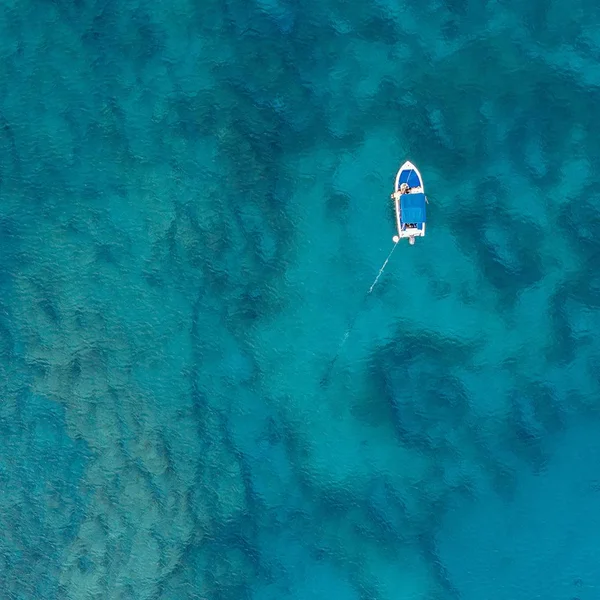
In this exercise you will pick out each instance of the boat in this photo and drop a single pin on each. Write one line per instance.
(409, 199)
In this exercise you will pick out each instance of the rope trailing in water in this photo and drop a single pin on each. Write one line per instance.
(382, 268)
(326, 377)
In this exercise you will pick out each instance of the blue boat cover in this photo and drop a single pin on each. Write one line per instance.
(412, 208)
(409, 176)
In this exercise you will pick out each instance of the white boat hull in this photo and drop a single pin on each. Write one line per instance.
(410, 223)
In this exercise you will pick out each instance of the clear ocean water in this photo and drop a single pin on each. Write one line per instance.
(194, 200)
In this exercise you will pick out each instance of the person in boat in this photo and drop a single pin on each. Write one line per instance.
(404, 189)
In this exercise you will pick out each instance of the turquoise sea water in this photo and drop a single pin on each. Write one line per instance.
(194, 200)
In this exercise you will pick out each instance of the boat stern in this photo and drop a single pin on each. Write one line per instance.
(411, 215)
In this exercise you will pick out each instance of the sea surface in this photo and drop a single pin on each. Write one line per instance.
(194, 202)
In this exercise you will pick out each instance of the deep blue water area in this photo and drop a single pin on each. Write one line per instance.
(194, 201)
